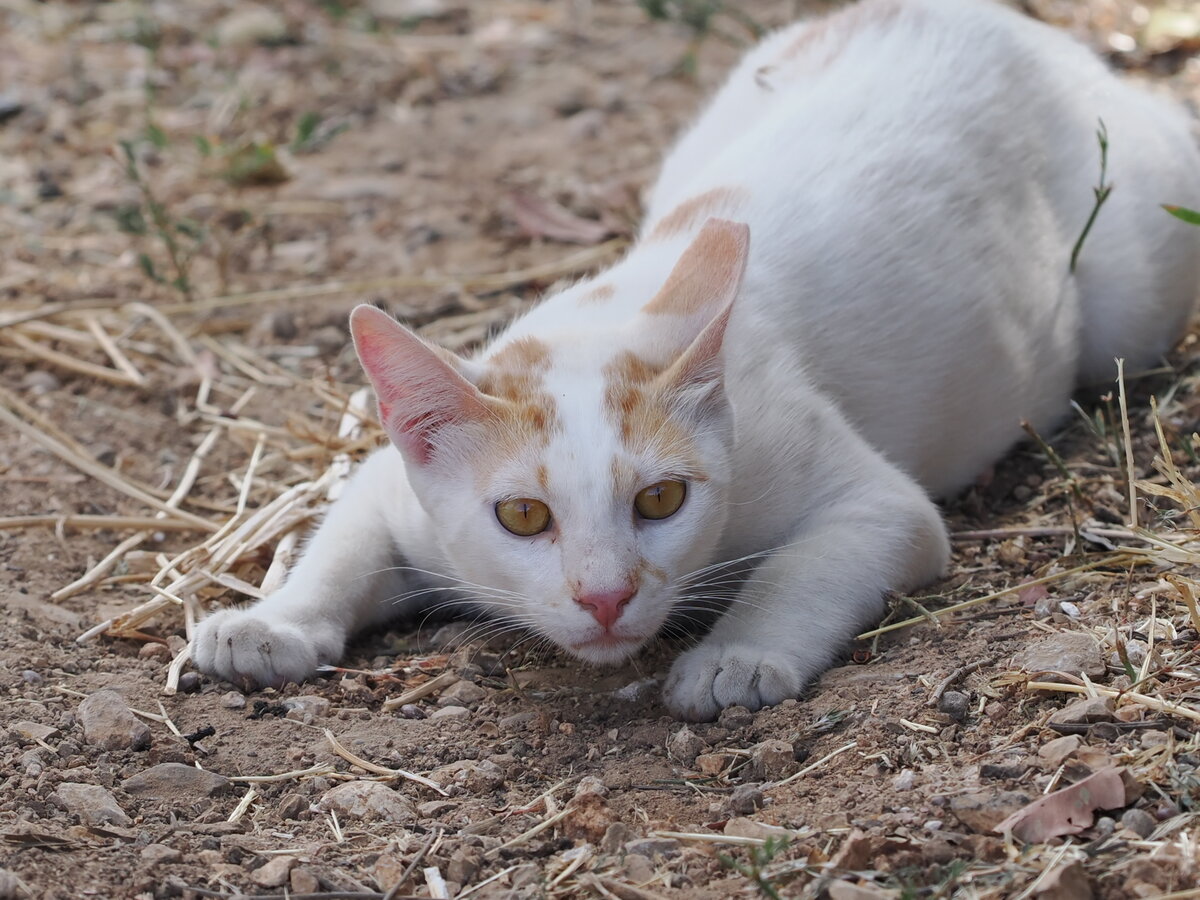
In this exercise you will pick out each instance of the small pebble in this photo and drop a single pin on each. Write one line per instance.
(450, 712)
(904, 781)
(746, 799)
(1105, 825)
(1139, 822)
(291, 806)
(955, 704)
(31, 677)
(159, 854)
(233, 700)
(39, 383)
(734, 717)
(189, 682)
(412, 711)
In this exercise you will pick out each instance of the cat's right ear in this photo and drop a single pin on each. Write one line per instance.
(705, 280)
(419, 391)
(698, 298)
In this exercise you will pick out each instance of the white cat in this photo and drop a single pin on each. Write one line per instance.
(852, 285)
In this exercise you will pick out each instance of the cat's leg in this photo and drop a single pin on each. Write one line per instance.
(870, 529)
(344, 580)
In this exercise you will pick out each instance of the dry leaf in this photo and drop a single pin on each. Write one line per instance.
(1068, 811)
(545, 218)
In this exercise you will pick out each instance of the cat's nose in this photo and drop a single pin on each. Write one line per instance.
(606, 606)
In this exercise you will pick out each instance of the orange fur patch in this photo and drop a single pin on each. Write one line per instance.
(635, 404)
(599, 294)
(692, 213)
(524, 411)
(715, 254)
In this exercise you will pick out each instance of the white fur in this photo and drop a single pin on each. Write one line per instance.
(912, 206)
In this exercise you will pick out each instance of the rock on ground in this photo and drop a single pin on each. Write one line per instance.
(93, 804)
(108, 723)
(368, 800)
(1070, 652)
(176, 781)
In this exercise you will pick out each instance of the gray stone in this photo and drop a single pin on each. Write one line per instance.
(1069, 652)
(233, 700)
(108, 723)
(450, 712)
(746, 799)
(92, 803)
(615, 837)
(475, 776)
(518, 721)
(735, 717)
(1139, 822)
(981, 812)
(35, 731)
(652, 847)
(177, 781)
(160, 854)
(771, 760)
(955, 704)
(461, 693)
(189, 682)
(369, 800)
(291, 806)
(273, 873)
(464, 864)
(1086, 711)
(1054, 753)
(685, 745)
(308, 703)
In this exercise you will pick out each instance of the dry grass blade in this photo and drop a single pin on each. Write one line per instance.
(421, 691)
(351, 758)
(99, 472)
(995, 595)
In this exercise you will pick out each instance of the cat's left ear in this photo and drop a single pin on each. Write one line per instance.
(698, 298)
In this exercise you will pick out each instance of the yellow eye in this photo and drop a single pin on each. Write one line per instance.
(660, 500)
(523, 517)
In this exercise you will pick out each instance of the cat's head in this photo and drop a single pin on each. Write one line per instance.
(574, 478)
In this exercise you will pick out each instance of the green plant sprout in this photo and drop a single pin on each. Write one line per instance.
(1101, 191)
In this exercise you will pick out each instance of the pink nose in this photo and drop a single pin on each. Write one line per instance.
(606, 606)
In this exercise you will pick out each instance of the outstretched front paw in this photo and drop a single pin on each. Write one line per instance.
(710, 677)
(251, 651)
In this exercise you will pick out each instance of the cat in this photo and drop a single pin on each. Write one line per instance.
(853, 282)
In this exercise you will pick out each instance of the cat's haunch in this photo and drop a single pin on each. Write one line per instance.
(853, 283)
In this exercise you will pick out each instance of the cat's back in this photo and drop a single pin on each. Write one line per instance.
(863, 81)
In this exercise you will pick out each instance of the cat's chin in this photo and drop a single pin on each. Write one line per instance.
(607, 650)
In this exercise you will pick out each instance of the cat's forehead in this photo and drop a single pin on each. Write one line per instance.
(580, 413)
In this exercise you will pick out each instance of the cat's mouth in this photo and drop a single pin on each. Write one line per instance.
(606, 649)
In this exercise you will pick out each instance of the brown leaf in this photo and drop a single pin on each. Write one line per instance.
(1068, 811)
(545, 218)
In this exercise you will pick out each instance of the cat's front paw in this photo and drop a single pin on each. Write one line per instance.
(251, 651)
(714, 675)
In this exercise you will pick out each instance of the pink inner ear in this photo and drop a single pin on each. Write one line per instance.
(419, 392)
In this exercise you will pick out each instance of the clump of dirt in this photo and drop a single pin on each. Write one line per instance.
(195, 195)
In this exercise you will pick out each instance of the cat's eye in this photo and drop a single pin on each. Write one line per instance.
(523, 517)
(660, 500)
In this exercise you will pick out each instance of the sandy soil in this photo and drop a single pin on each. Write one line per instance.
(397, 149)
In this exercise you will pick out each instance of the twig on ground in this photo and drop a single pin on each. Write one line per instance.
(953, 677)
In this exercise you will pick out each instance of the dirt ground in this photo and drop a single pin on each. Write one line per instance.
(450, 159)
